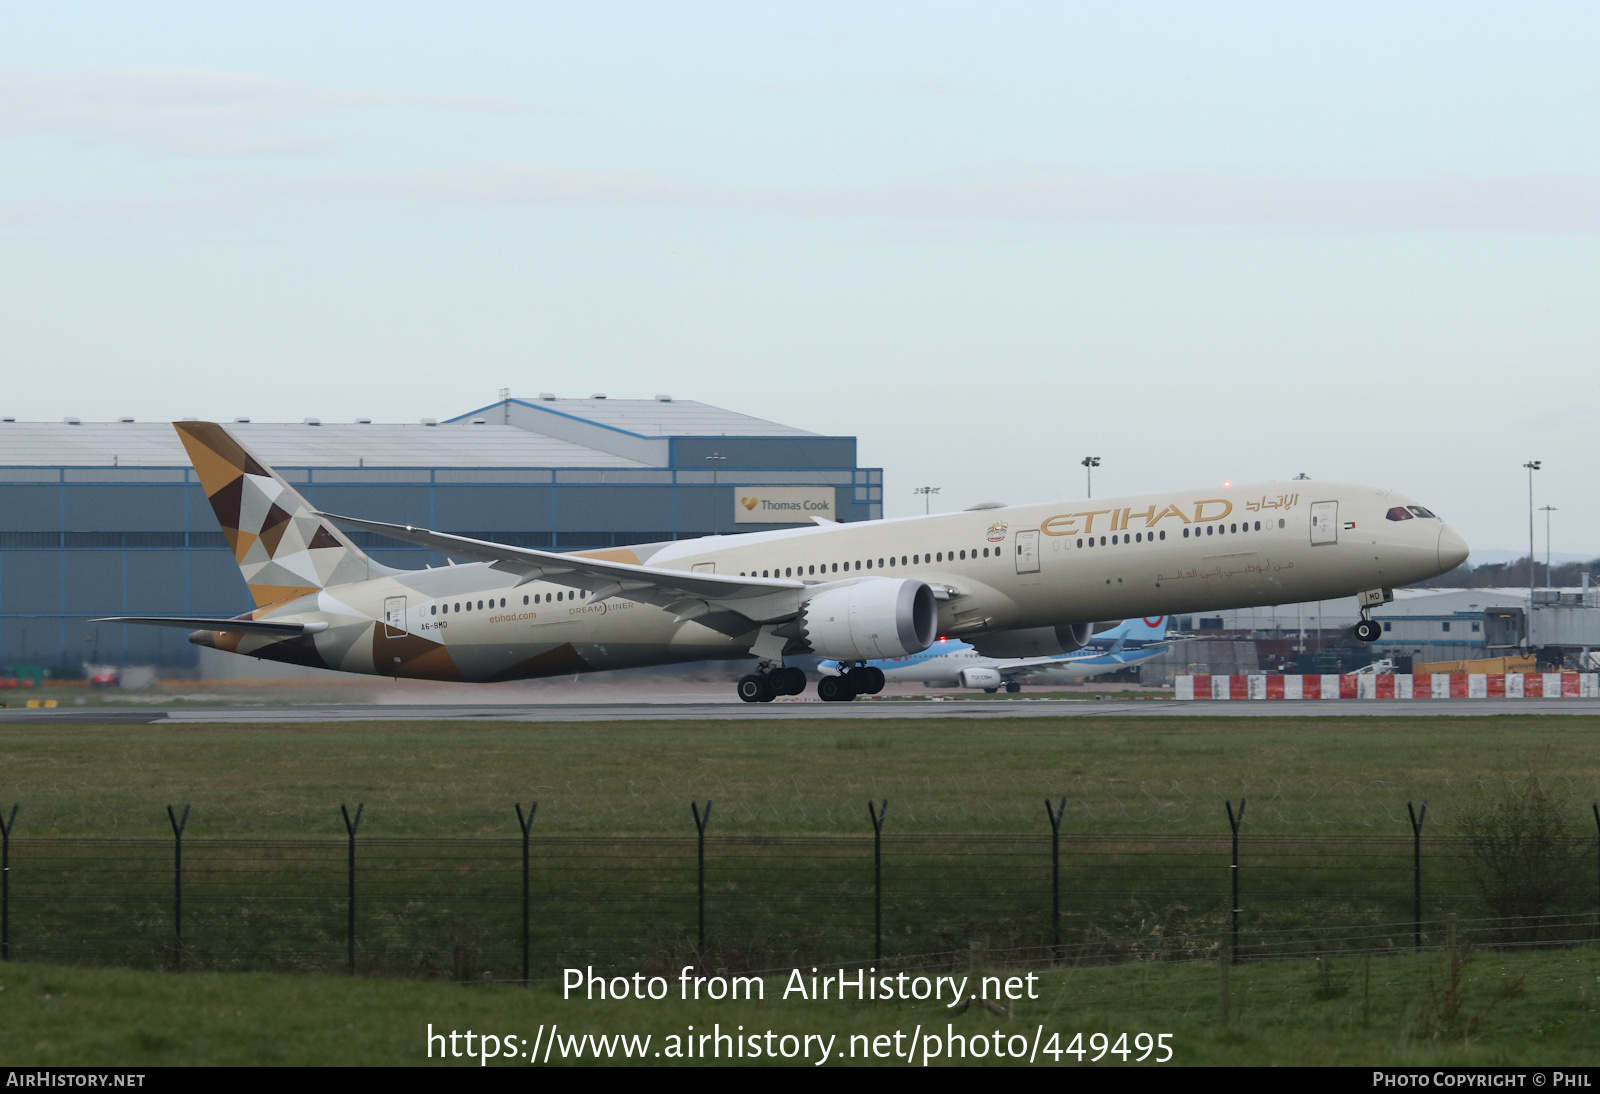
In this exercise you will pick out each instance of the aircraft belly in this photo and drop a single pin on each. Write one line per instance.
(515, 644)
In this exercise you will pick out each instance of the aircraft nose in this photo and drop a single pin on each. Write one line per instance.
(1452, 549)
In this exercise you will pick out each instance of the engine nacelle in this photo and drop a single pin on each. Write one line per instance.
(866, 620)
(1037, 641)
(980, 678)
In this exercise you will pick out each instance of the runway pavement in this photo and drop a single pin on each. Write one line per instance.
(965, 709)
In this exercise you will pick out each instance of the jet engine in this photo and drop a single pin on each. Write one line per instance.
(980, 678)
(1037, 641)
(866, 620)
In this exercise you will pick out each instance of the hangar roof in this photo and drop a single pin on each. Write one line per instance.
(155, 444)
(658, 417)
(523, 433)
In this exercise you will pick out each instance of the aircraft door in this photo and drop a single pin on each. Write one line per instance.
(394, 617)
(1028, 552)
(1324, 522)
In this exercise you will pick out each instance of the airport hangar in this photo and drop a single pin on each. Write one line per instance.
(109, 519)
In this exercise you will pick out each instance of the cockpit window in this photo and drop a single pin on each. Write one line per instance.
(1420, 511)
(1399, 512)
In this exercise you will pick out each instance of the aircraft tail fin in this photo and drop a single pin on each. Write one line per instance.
(1151, 629)
(283, 549)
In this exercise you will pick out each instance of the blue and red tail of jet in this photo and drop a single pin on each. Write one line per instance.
(1131, 634)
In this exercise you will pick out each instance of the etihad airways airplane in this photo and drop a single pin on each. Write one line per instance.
(952, 663)
(1027, 581)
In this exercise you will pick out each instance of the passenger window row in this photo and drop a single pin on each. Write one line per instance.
(1225, 529)
(1137, 537)
(1152, 537)
(537, 598)
(882, 563)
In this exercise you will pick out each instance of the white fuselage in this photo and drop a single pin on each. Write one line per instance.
(993, 569)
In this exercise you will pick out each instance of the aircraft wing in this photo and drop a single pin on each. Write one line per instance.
(214, 623)
(690, 594)
(1025, 665)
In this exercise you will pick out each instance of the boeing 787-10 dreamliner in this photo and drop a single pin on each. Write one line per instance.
(1027, 581)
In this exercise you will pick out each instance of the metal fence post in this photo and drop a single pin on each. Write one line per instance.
(525, 823)
(700, 822)
(1224, 991)
(1416, 870)
(6, 825)
(1596, 806)
(350, 924)
(1055, 812)
(1234, 821)
(178, 824)
(877, 813)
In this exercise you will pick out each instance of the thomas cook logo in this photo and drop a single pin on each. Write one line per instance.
(997, 532)
(749, 503)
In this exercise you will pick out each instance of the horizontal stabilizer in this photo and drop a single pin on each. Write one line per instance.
(211, 623)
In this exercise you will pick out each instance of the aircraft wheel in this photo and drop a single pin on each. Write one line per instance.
(990, 691)
(796, 679)
(872, 680)
(1013, 687)
(835, 689)
(1368, 631)
(752, 688)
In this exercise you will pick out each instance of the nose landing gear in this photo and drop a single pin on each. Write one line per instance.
(1367, 630)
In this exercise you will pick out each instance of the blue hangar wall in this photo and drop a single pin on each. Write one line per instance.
(79, 542)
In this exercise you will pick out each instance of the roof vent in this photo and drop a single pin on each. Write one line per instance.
(124, 419)
(242, 421)
(480, 421)
(313, 421)
(363, 421)
(547, 396)
(430, 421)
(70, 420)
(7, 419)
(663, 398)
(598, 395)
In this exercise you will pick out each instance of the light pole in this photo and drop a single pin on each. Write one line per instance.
(1532, 466)
(927, 492)
(1547, 510)
(716, 501)
(1089, 464)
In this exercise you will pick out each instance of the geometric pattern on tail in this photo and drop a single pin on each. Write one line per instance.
(282, 548)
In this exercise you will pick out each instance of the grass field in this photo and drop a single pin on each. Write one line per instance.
(1119, 775)
(789, 878)
(1503, 1009)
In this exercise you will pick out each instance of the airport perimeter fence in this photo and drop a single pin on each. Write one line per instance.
(476, 909)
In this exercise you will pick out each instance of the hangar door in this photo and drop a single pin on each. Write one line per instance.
(1324, 522)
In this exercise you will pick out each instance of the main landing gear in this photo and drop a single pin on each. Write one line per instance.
(861, 680)
(765, 686)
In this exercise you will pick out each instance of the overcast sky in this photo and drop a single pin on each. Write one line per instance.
(1203, 242)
